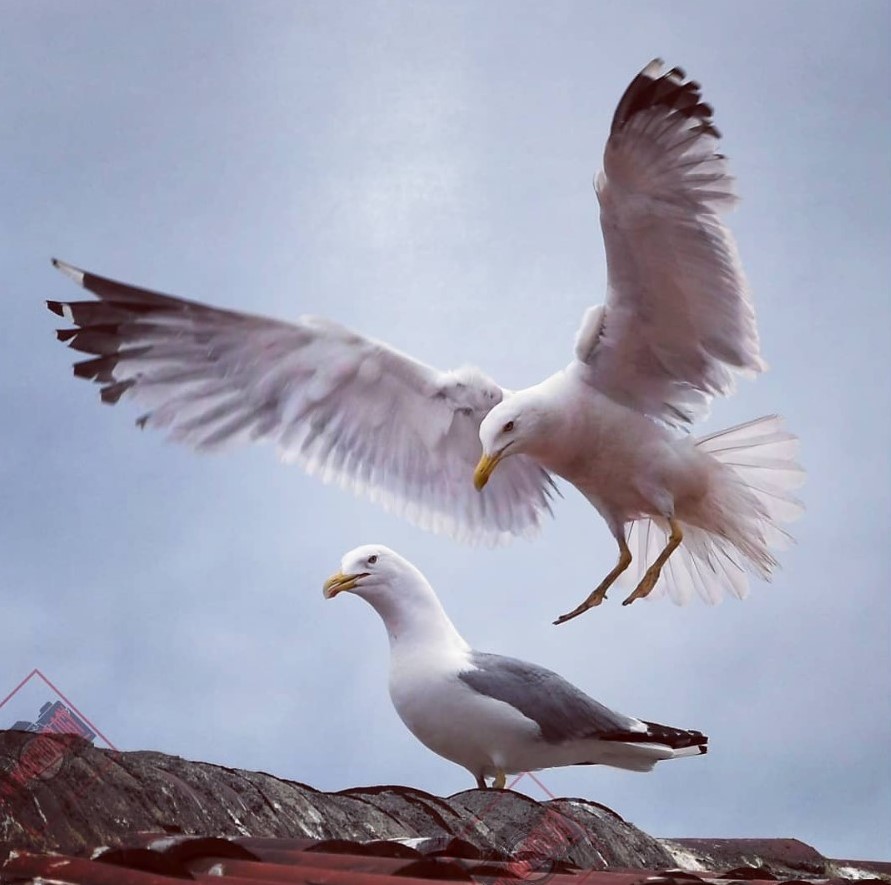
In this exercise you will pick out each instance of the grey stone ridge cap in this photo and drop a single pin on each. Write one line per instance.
(60, 793)
(781, 858)
(88, 797)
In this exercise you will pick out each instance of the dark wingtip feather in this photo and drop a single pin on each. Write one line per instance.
(113, 392)
(56, 307)
(653, 88)
(676, 738)
(97, 368)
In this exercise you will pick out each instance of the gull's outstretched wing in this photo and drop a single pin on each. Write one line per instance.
(678, 320)
(347, 408)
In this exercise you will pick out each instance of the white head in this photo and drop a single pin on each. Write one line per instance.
(396, 590)
(514, 426)
(372, 572)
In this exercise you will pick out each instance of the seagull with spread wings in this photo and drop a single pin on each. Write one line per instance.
(456, 453)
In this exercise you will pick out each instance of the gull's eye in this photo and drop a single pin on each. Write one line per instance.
(508, 427)
(372, 559)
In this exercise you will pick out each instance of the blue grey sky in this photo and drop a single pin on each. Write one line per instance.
(422, 172)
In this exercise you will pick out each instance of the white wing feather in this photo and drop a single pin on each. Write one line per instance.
(678, 319)
(345, 407)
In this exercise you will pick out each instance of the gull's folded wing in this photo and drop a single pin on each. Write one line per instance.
(562, 711)
(345, 407)
(678, 320)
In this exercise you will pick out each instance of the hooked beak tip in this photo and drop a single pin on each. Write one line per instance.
(340, 582)
(334, 585)
(484, 470)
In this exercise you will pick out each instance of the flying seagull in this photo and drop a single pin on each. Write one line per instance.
(491, 714)
(677, 324)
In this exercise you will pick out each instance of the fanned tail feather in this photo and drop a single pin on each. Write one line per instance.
(750, 499)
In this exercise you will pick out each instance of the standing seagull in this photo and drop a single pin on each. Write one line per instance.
(676, 325)
(493, 715)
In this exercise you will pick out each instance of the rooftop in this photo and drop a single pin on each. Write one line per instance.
(73, 813)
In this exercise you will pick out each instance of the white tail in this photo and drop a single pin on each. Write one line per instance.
(751, 495)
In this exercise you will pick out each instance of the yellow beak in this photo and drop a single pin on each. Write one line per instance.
(338, 583)
(484, 469)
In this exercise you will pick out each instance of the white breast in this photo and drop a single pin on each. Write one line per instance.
(626, 464)
(447, 716)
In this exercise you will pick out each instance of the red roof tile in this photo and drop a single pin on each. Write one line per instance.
(159, 860)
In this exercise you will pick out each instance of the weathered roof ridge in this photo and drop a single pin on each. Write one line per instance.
(60, 794)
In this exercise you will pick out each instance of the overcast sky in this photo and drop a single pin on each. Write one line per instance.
(422, 172)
